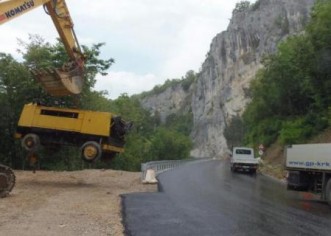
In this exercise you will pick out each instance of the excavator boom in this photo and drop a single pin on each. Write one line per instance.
(67, 80)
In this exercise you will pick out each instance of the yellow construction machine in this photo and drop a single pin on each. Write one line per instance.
(99, 134)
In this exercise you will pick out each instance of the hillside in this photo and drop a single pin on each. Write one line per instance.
(220, 92)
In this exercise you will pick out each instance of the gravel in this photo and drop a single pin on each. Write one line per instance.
(83, 202)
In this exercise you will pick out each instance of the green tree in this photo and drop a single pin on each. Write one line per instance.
(319, 32)
(16, 88)
(136, 152)
(169, 145)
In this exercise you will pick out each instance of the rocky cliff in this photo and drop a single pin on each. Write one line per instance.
(220, 91)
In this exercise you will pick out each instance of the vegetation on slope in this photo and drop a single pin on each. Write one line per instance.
(185, 83)
(291, 99)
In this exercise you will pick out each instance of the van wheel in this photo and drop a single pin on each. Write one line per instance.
(31, 142)
(328, 192)
(90, 151)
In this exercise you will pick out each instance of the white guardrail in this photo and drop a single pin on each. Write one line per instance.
(161, 166)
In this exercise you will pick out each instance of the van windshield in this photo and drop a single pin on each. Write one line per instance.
(243, 151)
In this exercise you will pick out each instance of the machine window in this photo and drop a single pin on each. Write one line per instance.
(59, 113)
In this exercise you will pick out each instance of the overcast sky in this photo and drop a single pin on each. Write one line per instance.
(150, 40)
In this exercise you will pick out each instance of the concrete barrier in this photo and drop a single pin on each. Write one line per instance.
(150, 177)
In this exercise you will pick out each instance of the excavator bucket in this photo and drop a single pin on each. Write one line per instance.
(58, 82)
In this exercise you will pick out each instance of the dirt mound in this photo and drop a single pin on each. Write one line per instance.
(68, 203)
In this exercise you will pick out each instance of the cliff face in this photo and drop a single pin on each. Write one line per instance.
(174, 99)
(221, 89)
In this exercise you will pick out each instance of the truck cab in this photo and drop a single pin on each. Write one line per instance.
(242, 159)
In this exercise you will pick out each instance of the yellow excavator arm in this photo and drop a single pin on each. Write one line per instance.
(67, 80)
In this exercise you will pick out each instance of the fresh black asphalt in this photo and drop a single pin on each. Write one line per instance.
(207, 199)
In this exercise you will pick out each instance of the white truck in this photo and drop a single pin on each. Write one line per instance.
(243, 159)
(309, 169)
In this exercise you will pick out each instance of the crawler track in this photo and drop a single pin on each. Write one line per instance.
(7, 180)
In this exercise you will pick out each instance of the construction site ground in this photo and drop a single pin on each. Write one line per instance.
(83, 202)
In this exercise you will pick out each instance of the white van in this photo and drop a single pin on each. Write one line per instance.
(243, 159)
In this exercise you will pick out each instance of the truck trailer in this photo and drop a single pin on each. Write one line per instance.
(309, 169)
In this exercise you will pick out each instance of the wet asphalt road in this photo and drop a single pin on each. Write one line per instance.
(207, 199)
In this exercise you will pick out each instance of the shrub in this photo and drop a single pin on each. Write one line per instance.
(295, 131)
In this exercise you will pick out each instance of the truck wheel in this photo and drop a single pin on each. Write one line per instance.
(31, 142)
(328, 192)
(90, 151)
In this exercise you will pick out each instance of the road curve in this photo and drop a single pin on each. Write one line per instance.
(207, 199)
